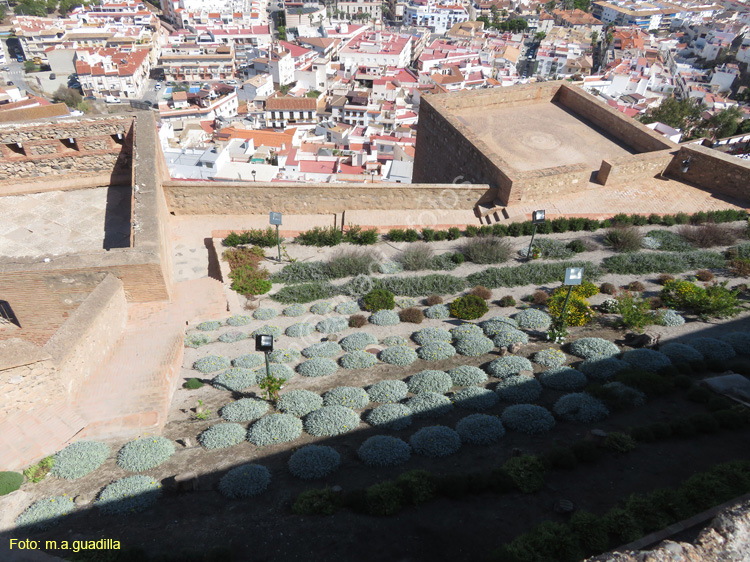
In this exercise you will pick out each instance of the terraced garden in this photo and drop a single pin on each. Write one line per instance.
(448, 420)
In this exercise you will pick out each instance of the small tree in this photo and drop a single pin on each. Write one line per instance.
(68, 96)
(29, 66)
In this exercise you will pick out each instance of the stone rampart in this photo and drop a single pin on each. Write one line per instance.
(712, 170)
(628, 169)
(28, 377)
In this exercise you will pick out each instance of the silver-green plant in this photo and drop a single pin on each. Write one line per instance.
(232, 336)
(357, 341)
(480, 429)
(244, 410)
(390, 416)
(79, 459)
(275, 428)
(209, 325)
(388, 391)
(322, 349)
(385, 318)
(528, 418)
(348, 308)
(299, 402)
(518, 389)
(332, 325)
(429, 405)
(436, 351)
(466, 375)
(211, 363)
(45, 513)
(550, 357)
(580, 407)
(313, 462)
(358, 360)
(299, 330)
(145, 453)
(248, 361)
(398, 355)
(323, 307)
(474, 346)
(475, 398)
(349, 396)
(239, 320)
(331, 420)
(317, 367)
(267, 330)
(508, 365)
(222, 436)
(280, 355)
(245, 481)
(384, 450)
(132, 494)
(265, 313)
(294, 310)
(563, 378)
(435, 441)
(235, 379)
(431, 334)
(430, 381)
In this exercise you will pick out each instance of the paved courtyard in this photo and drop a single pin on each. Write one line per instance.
(62, 222)
(544, 135)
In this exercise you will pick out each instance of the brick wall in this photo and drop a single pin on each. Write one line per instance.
(713, 170)
(78, 154)
(627, 169)
(639, 137)
(537, 185)
(28, 377)
(89, 335)
(216, 198)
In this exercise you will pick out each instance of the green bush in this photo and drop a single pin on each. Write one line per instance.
(623, 239)
(379, 299)
(560, 224)
(355, 235)
(385, 498)
(193, 384)
(417, 486)
(526, 472)
(529, 273)
(714, 300)
(350, 263)
(416, 257)
(469, 307)
(487, 249)
(326, 236)
(663, 262)
(258, 237)
(249, 281)
(454, 233)
(10, 482)
(317, 502)
(305, 292)
(417, 286)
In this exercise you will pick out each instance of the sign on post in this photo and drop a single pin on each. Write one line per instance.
(537, 217)
(573, 276)
(275, 219)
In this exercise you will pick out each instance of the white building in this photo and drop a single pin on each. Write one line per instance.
(438, 17)
(372, 49)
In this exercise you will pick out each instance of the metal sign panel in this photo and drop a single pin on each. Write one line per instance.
(573, 276)
(537, 217)
(275, 218)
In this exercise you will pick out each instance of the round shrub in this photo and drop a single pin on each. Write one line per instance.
(390, 416)
(79, 459)
(533, 319)
(474, 346)
(384, 450)
(436, 351)
(358, 360)
(350, 396)
(508, 365)
(332, 325)
(129, 495)
(669, 318)
(398, 355)
(712, 349)
(232, 337)
(379, 299)
(323, 307)
(466, 375)
(437, 312)
(466, 331)
(588, 348)
(550, 358)
(348, 308)
(528, 418)
(385, 318)
(145, 453)
(235, 379)
(45, 513)
(390, 267)
(331, 420)
(519, 389)
(245, 481)
(430, 335)
(497, 325)
(475, 398)
(277, 370)
(412, 315)
(209, 325)
(317, 367)
(681, 353)
(193, 384)
(626, 394)
(276, 428)
(196, 340)
(429, 405)
(299, 402)
(273, 331)
(294, 310)
(510, 337)
(322, 349)
(602, 369)
(357, 341)
(239, 320)
(299, 330)
(244, 410)
(211, 363)
(312, 462)
(480, 429)
(580, 407)
(390, 341)
(406, 302)
(388, 392)
(222, 435)
(469, 307)
(740, 342)
(265, 314)
(430, 381)
(563, 378)
(357, 320)
(646, 359)
(435, 441)
(248, 361)
(284, 355)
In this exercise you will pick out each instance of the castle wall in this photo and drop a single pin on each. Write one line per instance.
(713, 170)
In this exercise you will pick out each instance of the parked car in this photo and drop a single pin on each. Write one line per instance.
(9, 83)
(232, 82)
(6, 69)
(112, 99)
(76, 113)
(157, 87)
(52, 76)
(19, 58)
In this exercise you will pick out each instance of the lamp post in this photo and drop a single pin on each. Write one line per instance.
(685, 165)
(265, 344)
(573, 277)
(537, 218)
(275, 219)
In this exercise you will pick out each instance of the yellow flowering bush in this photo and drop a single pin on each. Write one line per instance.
(578, 313)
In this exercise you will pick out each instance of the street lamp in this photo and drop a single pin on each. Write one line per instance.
(537, 218)
(265, 344)
(685, 165)
(275, 219)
